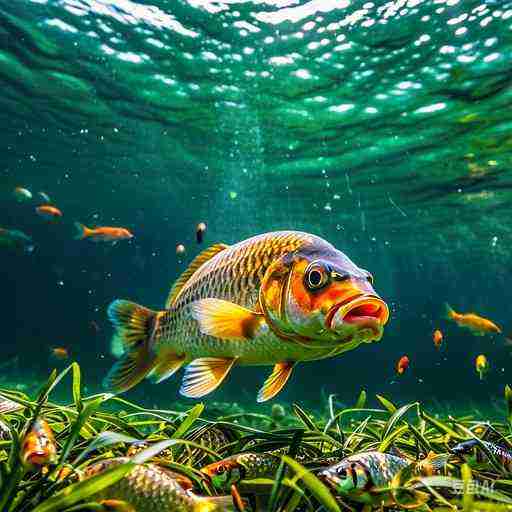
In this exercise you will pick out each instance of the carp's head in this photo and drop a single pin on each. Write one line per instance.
(318, 297)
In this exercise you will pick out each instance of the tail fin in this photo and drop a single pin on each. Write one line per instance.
(80, 231)
(134, 326)
(450, 313)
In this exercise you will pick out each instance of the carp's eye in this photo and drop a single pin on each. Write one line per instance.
(221, 470)
(316, 277)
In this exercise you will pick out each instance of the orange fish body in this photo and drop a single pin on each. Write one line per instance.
(101, 234)
(402, 365)
(437, 337)
(274, 299)
(478, 325)
(38, 447)
(60, 353)
(48, 212)
(481, 365)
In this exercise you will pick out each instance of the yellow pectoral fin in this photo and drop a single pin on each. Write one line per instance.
(205, 374)
(276, 381)
(226, 320)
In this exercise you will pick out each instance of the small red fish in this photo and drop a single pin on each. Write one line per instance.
(402, 365)
(60, 353)
(101, 234)
(49, 212)
(38, 447)
(437, 337)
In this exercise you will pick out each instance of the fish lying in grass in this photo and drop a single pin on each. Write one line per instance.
(358, 474)
(149, 488)
(478, 325)
(38, 447)
(251, 465)
(274, 299)
(504, 455)
(242, 466)
(15, 239)
(101, 234)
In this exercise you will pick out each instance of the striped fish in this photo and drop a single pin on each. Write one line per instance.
(275, 299)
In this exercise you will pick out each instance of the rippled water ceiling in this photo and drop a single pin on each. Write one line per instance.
(358, 116)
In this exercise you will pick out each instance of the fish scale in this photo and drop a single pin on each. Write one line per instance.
(222, 277)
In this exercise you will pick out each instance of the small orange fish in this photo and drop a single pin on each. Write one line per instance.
(402, 365)
(60, 353)
(48, 212)
(101, 234)
(200, 231)
(478, 325)
(38, 447)
(482, 365)
(22, 194)
(437, 337)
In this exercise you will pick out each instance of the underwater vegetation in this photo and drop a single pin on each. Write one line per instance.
(103, 453)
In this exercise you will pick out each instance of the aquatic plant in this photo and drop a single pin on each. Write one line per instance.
(104, 426)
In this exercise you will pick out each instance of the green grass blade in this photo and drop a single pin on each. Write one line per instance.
(441, 426)
(396, 417)
(79, 491)
(101, 441)
(304, 418)
(389, 406)
(317, 488)
(508, 401)
(77, 393)
(467, 497)
(192, 416)
(89, 409)
(361, 400)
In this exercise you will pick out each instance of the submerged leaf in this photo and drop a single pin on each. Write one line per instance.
(102, 440)
(389, 406)
(192, 416)
(361, 400)
(508, 401)
(304, 418)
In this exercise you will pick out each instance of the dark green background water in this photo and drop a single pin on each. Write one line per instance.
(384, 127)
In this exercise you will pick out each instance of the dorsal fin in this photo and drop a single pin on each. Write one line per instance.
(201, 258)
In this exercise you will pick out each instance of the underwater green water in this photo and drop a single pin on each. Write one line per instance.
(384, 127)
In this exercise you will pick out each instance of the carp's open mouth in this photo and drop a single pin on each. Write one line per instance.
(362, 311)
